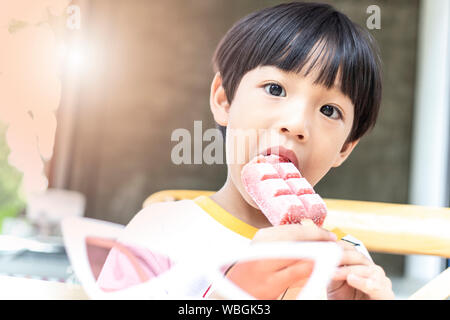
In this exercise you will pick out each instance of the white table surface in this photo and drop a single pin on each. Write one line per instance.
(15, 288)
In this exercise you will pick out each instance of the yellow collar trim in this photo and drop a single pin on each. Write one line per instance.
(225, 218)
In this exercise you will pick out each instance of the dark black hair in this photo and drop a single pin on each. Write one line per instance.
(287, 35)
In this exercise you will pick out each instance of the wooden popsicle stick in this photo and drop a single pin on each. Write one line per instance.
(436, 289)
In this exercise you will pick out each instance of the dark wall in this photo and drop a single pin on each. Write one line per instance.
(153, 76)
(378, 169)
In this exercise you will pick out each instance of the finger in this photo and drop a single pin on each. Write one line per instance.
(366, 285)
(374, 286)
(354, 257)
(294, 232)
(359, 270)
(309, 232)
(345, 245)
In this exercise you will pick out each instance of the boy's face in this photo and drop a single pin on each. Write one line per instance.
(284, 113)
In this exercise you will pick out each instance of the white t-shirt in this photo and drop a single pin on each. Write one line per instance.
(180, 230)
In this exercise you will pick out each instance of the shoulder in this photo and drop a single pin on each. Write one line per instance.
(164, 221)
(164, 212)
(180, 229)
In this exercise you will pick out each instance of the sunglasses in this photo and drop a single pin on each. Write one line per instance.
(109, 268)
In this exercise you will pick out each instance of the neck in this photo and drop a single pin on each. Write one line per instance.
(229, 198)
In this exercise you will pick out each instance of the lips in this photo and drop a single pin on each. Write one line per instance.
(282, 152)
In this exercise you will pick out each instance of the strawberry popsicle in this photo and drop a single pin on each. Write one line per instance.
(280, 191)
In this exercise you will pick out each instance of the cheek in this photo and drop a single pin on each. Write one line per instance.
(250, 110)
(321, 160)
(237, 146)
(239, 152)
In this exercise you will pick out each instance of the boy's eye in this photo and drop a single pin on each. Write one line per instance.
(331, 111)
(275, 90)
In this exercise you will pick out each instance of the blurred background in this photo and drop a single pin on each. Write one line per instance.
(91, 91)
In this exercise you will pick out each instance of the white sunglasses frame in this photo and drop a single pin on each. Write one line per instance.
(75, 230)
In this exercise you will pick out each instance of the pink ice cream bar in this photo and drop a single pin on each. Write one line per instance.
(281, 192)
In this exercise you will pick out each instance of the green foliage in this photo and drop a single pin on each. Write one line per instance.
(12, 201)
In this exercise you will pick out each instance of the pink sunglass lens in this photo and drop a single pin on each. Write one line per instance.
(116, 266)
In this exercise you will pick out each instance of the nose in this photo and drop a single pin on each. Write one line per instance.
(299, 136)
(296, 126)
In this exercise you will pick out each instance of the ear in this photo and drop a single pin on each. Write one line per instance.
(345, 152)
(218, 101)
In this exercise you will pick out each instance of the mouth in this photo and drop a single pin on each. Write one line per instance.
(283, 152)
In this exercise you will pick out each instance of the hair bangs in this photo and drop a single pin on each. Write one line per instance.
(307, 38)
(335, 59)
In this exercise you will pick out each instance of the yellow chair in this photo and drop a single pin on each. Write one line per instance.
(382, 227)
(173, 195)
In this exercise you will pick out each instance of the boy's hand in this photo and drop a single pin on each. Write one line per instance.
(293, 232)
(269, 278)
(358, 278)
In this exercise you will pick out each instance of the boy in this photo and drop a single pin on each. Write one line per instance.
(306, 75)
